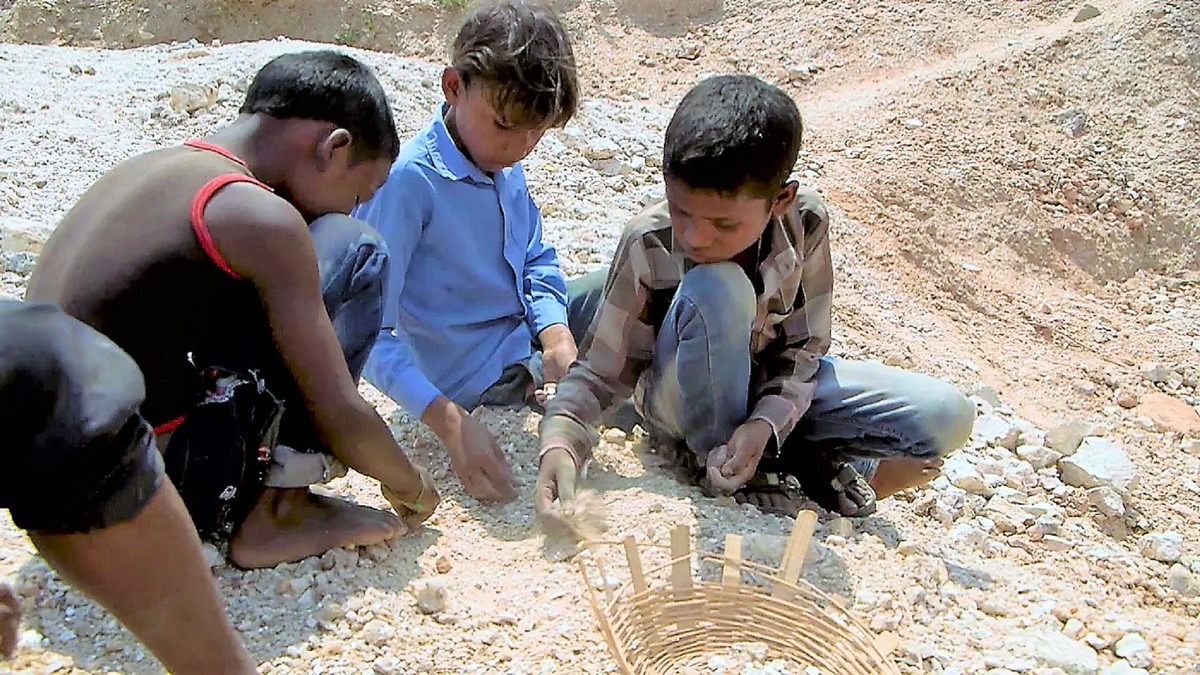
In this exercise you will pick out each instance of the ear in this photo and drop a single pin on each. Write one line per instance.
(334, 146)
(783, 201)
(453, 86)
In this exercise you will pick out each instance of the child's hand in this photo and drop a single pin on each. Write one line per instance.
(731, 466)
(418, 509)
(558, 352)
(556, 479)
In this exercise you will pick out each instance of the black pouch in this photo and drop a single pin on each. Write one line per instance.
(218, 457)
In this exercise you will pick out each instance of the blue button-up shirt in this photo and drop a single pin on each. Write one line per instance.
(470, 282)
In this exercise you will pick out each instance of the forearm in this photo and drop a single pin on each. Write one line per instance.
(364, 443)
(784, 398)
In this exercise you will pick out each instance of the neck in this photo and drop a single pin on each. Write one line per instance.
(452, 126)
(263, 143)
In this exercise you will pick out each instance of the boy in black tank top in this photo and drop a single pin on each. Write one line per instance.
(228, 270)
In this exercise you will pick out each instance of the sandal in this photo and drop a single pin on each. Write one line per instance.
(838, 487)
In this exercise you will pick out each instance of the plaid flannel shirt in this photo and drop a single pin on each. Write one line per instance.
(791, 327)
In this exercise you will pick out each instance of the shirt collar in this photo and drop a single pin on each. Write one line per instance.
(447, 158)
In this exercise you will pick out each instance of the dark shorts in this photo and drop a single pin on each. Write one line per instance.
(79, 457)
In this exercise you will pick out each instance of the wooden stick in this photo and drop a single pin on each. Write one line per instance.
(681, 558)
(681, 565)
(732, 573)
(635, 564)
(794, 553)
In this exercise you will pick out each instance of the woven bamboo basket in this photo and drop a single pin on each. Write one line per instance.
(660, 620)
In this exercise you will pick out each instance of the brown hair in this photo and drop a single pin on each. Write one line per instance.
(520, 53)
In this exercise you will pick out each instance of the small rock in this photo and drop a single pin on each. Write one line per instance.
(1134, 649)
(1192, 446)
(1107, 501)
(1053, 649)
(443, 565)
(430, 594)
(1181, 580)
(600, 148)
(1163, 546)
(1065, 438)
(1073, 122)
(1170, 414)
(985, 393)
(1073, 628)
(1087, 13)
(962, 474)
(1099, 462)
(913, 123)
(377, 632)
(614, 435)
(1127, 399)
(1155, 372)
(1056, 543)
(997, 431)
(1039, 456)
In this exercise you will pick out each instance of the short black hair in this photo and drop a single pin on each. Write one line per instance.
(733, 134)
(332, 87)
(521, 54)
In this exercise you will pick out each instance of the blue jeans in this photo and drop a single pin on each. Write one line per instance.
(698, 386)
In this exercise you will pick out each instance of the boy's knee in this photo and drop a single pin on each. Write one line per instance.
(949, 416)
(720, 287)
(336, 234)
(103, 482)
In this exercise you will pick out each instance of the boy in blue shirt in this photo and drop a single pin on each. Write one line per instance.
(476, 311)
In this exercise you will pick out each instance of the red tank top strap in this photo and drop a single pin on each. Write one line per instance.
(199, 227)
(213, 147)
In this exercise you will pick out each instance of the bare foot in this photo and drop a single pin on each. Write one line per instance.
(293, 524)
(895, 475)
(10, 621)
(777, 503)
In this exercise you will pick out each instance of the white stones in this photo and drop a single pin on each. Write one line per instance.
(1181, 580)
(431, 595)
(963, 475)
(996, 431)
(1073, 628)
(1055, 650)
(1107, 501)
(1155, 372)
(1087, 13)
(377, 632)
(600, 148)
(1099, 462)
(1134, 649)
(1162, 546)
(1039, 456)
(1066, 437)
(913, 123)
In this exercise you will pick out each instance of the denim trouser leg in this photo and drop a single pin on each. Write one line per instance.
(698, 384)
(353, 261)
(864, 412)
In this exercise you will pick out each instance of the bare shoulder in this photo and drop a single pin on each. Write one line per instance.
(258, 232)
